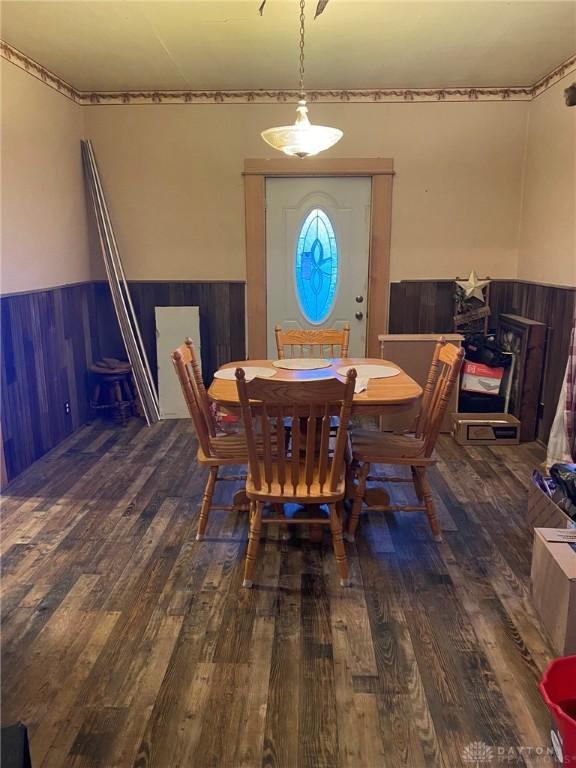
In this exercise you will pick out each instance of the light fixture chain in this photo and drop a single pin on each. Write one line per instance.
(302, 93)
(302, 139)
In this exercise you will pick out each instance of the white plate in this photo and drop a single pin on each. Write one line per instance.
(229, 374)
(370, 371)
(302, 363)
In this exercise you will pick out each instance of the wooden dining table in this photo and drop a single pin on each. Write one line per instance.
(394, 394)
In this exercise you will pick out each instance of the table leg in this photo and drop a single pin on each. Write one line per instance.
(316, 533)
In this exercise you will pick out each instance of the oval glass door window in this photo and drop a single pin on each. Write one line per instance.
(316, 267)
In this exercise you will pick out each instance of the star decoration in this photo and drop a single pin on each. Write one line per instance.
(473, 286)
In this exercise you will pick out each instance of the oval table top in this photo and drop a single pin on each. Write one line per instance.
(391, 395)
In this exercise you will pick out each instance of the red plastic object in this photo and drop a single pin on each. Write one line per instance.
(228, 418)
(558, 688)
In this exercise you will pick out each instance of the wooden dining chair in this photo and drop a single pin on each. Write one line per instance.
(371, 447)
(311, 470)
(325, 342)
(214, 450)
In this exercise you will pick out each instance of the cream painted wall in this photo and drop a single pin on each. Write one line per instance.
(44, 240)
(172, 175)
(488, 185)
(548, 220)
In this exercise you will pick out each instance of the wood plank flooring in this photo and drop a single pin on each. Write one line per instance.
(127, 643)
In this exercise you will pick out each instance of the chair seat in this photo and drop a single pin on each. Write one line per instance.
(228, 447)
(372, 446)
(300, 494)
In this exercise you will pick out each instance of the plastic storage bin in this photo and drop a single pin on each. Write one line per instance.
(558, 688)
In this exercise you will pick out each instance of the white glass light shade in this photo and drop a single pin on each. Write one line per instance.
(302, 138)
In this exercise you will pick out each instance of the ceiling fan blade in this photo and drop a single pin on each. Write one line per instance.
(320, 7)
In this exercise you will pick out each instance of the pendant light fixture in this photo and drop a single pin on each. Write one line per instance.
(303, 138)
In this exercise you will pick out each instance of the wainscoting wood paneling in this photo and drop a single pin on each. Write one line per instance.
(49, 338)
(47, 345)
(426, 306)
(222, 319)
(421, 306)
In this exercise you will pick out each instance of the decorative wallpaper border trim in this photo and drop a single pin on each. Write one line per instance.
(87, 98)
(14, 56)
(553, 77)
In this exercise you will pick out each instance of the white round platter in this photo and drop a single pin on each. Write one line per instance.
(229, 374)
(370, 371)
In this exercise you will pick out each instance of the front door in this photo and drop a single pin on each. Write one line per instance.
(317, 252)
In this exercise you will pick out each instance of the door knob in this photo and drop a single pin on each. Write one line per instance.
(359, 315)
(359, 299)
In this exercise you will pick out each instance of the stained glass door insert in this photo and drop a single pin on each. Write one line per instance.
(316, 267)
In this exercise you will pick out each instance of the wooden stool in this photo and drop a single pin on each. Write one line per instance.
(113, 389)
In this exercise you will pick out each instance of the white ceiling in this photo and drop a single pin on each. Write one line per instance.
(178, 44)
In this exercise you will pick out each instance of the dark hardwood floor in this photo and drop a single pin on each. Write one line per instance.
(127, 643)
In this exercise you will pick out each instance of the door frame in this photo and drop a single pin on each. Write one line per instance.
(381, 172)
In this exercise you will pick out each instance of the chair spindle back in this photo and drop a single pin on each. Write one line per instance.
(203, 400)
(442, 377)
(327, 343)
(310, 461)
(183, 359)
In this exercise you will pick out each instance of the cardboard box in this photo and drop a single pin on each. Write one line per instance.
(553, 577)
(477, 377)
(542, 512)
(485, 429)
